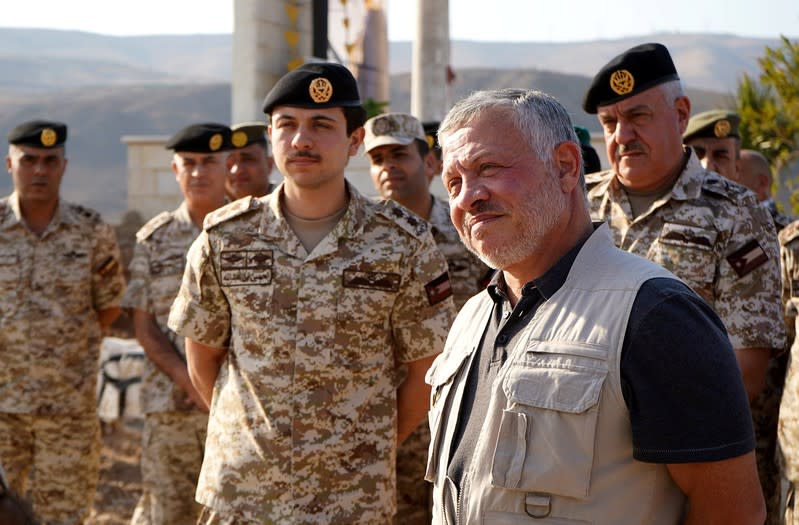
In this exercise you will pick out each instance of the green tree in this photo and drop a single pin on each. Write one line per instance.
(769, 109)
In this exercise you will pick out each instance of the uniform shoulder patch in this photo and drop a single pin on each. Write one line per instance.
(438, 289)
(789, 233)
(723, 187)
(153, 224)
(229, 211)
(750, 256)
(85, 213)
(407, 220)
(594, 179)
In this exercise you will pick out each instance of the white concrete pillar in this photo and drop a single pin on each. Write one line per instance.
(270, 37)
(430, 60)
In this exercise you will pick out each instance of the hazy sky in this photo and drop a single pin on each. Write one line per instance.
(497, 20)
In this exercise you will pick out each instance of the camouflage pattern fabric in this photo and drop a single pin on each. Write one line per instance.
(63, 452)
(174, 430)
(467, 273)
(713, 235)
(780, 219)
(172, 454)
(156, 271)
(50, 291)
(51, 288)
(788, 428)
(303, 418)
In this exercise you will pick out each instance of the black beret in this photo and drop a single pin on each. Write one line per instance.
(208, 137)
(314, 85)
(431, 133)
(637, 69)
(247, 133)
(39, 133)
(716, 123)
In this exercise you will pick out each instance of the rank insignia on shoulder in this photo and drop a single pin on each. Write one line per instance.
(747, 258)
(438, 289)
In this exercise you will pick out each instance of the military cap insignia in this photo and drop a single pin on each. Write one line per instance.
(722, 128)
(622, 82)
(239, 139)
(48, 137)
(215, 142)
(431, 141)
(321, 90)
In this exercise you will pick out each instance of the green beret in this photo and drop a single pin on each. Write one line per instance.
(208, 137)
(717, 123)
(248, 133)
(583, 135)
(634, 71)
(39, 134)
(314, 85)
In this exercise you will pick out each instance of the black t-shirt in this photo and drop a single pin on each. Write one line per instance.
(674, 343)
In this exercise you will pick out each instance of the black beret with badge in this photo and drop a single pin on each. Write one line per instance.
(634, 71)
(208, 137)
(314, 85)
(39, 134)
(431, 133)
(716, 123)
(248, 133)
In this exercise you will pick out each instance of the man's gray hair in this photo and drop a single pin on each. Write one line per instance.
(541, 119)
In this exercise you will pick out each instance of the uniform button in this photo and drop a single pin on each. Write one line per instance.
(506, 315)
(502, 339)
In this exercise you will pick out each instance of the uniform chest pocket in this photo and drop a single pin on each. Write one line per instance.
(688, 252)
(547, 432)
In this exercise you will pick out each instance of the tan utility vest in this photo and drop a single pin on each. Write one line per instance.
(556, 444)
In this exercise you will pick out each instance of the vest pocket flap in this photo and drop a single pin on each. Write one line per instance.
(445, 367)
(563, 389)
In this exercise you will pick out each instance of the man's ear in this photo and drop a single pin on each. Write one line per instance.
(356, 139)
(566, 159)
(683, 107)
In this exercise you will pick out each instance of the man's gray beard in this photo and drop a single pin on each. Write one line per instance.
(540, 214)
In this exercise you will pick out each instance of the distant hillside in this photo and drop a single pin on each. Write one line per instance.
(50, 59)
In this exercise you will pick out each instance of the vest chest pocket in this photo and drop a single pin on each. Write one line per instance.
(547, 431)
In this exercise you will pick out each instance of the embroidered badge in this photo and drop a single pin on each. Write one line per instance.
(239, 139)
(746, 259)
(48, 137)
(321, 90)
(245, 267)
(622, 82)
(215, 142)
(385, 281)
(438, 289)
(722, 128)
(108, 266)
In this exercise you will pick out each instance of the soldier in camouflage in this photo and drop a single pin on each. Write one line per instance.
(754, 172)
(60, 285)
(249, 163)
(176, 421)
(311, 316)
(402, 165)
(663, 205)
(788, 429)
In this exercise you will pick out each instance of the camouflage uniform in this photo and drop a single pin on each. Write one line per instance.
(174, 431)
(788, 429)
(780, 219)
(712, 234)
(51, 290)
(468, 275)
(303, 418)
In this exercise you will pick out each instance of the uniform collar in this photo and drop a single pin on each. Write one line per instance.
(62, 213)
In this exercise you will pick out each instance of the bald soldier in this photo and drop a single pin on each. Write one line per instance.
(311, 316)
(402, 164)
(61, 282)
(249, 162)
(754, 172)
(175, 423)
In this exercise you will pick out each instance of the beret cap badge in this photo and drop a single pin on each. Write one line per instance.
(321, 90)
(622, 82)
(48, 137)
(215, 142)
(722, 128)
(239, 139)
